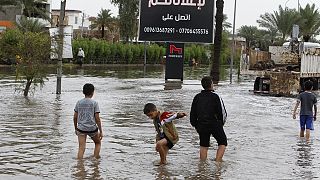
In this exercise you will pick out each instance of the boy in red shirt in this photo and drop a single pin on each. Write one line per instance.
(167, 134)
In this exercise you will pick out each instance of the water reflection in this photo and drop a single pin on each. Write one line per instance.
(208, 171)
(304, 159)
(88, 168)
(163, 173)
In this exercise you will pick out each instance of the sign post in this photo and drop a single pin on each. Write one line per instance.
(174, 61)
(173, 22)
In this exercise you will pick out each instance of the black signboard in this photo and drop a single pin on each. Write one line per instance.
(176, 20)
(174, 61)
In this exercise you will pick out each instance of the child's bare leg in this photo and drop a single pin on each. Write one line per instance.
(203, 153)
(307, 134)
(97, 145)
(220, 153)
(302, 133)
(82, 145)
(163, 150)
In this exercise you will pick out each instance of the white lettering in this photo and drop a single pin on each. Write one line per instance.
(200, 3)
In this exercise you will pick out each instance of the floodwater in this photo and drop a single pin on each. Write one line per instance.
(38, 140)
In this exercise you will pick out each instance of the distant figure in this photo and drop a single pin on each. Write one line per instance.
(308, 101)
(87, 121)
(167, 134)
(80, 56)
(208, 116)
(193, 62)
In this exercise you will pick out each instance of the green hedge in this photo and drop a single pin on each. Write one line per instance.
(100, 51)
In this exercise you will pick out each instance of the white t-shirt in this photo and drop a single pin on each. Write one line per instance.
(86, 109)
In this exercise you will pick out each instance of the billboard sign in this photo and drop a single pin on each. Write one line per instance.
(176, 20)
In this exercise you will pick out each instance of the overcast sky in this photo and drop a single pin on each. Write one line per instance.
(247, 11)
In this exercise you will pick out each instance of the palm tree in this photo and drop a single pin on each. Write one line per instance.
(310, 22)
(215, 72)
(283, 20)
(103, 21)
(250, 33)
(226, 25)
(30, 25)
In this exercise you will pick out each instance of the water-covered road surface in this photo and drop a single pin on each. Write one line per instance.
(38, 140)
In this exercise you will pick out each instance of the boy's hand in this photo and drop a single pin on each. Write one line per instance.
(294, 115)
(100, 135)
(314, 118)
(181, 115)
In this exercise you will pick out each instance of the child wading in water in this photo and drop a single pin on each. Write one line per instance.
(87, 121)
(308, 100)
(167, 134)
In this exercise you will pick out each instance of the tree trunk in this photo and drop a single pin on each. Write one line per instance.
(27, 88)
(102, 32)
(215, 59)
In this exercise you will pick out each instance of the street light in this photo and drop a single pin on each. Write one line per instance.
(233, 41)
(60, 46)
(285, 5)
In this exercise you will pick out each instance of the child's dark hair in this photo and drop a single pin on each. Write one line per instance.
(149, 108)
(308, 85)
(88, 89)
(206, 82)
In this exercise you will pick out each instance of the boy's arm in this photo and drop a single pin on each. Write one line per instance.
(295, 109)
(98, 122)
(193, 114)
(315, 112)
(75, 120)
(174, 116)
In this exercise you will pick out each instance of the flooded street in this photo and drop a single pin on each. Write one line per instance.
(38, 139)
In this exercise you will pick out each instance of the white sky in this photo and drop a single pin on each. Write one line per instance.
(247, 13)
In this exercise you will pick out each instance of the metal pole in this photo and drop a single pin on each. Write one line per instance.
(82, 25)
(233, 41)
(60, 46)
(298, 6)
(145, 59)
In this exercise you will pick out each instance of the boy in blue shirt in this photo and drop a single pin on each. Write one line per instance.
(308, 100)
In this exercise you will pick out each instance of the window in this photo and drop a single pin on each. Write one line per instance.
(75, 20)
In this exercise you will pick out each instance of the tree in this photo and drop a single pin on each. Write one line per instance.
(31, 8)
(128, 15)
(215, 59)
(103, 21)
(310, 22)
(34, 8)
(31, 51)
(250, 33)
(226, 25)
(7, 3)
(282, 20)
(32, 25)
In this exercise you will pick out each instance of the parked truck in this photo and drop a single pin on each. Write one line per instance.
(292, 65)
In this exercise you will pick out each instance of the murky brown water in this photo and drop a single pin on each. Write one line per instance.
(38, 142)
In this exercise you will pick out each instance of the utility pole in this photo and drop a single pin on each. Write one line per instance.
(233, 41)
(82, 24)
(60, 45)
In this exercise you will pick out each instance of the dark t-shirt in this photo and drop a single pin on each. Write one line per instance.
(307, 100)
(206, 111)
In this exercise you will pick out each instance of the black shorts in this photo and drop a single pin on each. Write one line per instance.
(169, 143)
(217, 133)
